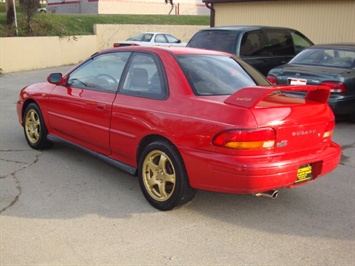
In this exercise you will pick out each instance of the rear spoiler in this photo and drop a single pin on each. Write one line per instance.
(250, 97)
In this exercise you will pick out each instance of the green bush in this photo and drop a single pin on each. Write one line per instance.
(71, 25)
(2, 7)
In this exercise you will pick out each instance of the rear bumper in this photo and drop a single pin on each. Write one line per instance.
(243, 175)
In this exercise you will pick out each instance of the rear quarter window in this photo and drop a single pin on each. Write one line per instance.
(223, 76)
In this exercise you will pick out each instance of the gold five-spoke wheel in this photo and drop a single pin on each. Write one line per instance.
(162, 176)
(159, 175)
(32, 126)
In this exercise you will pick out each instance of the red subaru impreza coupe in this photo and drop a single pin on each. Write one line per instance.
(184, 119)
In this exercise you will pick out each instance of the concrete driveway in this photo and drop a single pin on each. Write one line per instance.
(62, 206)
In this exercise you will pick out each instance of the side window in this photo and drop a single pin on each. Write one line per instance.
(102, 72)
(253, 44)
(300, 42)
(147, 37)
(159, 38)
(219, 40)
(171, 39)
(145, 77)
(279, 42)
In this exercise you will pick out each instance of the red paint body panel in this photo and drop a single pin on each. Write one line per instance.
(115, 125)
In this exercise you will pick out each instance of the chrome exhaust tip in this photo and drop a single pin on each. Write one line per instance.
(272, 194)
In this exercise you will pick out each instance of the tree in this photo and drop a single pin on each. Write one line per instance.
(10, 16)
(29, 7)
(171, 3)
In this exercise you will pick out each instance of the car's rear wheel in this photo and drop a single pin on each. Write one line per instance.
(34, 128)
(162, 176)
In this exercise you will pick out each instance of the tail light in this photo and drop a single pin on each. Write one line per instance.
(120, 44)
(328, 132)
(246, 139)
(272, 79)
(335, 86)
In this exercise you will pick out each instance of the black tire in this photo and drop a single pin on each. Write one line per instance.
(34, 128)
(163, 178)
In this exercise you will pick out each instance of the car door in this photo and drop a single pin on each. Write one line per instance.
(80, 111)
(253, 50)
(280, 45)
(142, 93)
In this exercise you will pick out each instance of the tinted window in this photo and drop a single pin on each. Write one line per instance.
(145, 77)
(279, 42)
(212, 40)
(102, 72)
(223, 76)
(253, 44)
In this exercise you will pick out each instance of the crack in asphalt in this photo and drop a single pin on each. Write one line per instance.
(12, 175)
(343, 161)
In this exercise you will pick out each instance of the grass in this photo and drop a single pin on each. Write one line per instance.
(73, 25)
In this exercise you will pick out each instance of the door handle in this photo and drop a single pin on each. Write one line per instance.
(101, 106)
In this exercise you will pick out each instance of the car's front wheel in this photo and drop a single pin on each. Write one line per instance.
(34, 128)
(162, 176)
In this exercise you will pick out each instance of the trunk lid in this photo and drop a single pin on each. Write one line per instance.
(299, 122)
(313, 74)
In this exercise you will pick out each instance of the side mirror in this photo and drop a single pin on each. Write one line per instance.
(178, 41)
(55, 78)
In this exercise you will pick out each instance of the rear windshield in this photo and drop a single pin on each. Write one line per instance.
(218, 75)
(325, 57)
(212, 40)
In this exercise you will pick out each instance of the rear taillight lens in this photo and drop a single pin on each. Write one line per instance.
(119, 45)
(335, 86)
(328, 132)
(272, 79)
(246, 139)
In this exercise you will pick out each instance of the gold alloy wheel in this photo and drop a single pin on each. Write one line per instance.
(159, 175)
(32, 126)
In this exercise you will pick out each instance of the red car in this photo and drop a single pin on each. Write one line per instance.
(184, 119)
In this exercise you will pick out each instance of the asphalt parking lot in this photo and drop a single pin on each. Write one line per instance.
(62, 206)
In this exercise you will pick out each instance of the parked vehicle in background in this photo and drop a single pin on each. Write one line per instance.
(332, 65)
(260, 46)
(42, 10)
(151, 39)
(183, 119)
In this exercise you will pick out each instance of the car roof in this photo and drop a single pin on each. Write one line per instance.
(152, 32)
(245, 28)
(334, 46)
(172, 49)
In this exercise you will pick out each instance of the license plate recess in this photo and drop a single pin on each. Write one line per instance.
(304, 173)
